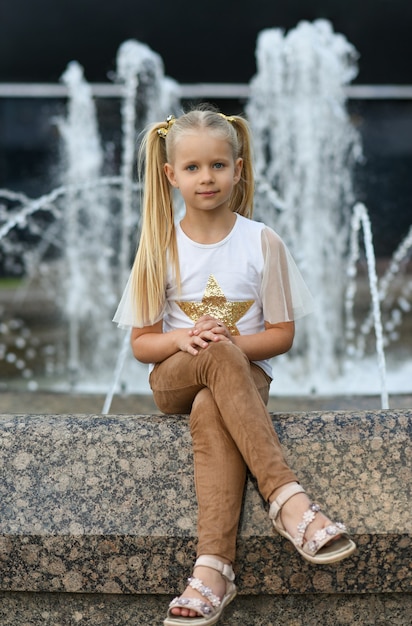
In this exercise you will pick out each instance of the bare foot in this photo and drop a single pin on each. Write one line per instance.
(211, 578)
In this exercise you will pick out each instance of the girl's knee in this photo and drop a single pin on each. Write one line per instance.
(226, 351)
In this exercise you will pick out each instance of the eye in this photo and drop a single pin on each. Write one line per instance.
(191, 168)
(218, 166)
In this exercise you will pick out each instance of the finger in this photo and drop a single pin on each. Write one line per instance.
(204, 327)
(201, 341)
(221, 338)
(202, 318)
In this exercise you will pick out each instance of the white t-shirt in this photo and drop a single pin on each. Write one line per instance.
(245, 279)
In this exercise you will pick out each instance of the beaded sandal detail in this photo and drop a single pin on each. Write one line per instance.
(320, 549)
(210, 610)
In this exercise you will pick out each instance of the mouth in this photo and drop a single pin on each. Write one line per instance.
(207, 193)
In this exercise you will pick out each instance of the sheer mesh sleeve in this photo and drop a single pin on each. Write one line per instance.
(285, 296)
(125, 316)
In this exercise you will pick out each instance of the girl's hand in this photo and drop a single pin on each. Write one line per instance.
(187, 341)
(210, 329)
(151, 345)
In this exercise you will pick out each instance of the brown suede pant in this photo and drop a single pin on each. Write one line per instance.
(231, 429)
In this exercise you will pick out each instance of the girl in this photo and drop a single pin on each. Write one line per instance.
(210, 300)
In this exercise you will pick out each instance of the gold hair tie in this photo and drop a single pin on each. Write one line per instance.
(228, 118)
(162, 132)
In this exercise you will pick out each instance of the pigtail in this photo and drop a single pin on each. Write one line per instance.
(158, 238)
(243, 193)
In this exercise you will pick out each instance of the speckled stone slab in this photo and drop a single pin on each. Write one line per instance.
(57, 609)
(106, 504)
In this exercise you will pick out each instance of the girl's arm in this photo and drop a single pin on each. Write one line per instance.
(151, 345)
(274, 340)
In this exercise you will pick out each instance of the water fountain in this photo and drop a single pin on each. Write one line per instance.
(306, 147)
(94, 218)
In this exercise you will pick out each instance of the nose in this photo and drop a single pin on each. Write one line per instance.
(206, 175)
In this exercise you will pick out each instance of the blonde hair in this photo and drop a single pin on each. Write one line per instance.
(158, 246)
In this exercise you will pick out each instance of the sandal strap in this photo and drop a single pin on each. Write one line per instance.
(204, 608)
(204, 591)
(283, 497)
(307, 519)
(322, 536)
(211, 607)
(224, 568)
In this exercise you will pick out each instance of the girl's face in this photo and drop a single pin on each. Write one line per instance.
(204, 170)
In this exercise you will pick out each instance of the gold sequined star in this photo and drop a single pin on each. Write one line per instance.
(214, 303)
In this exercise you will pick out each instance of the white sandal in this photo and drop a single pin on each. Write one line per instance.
(210, 611)
(320, 549)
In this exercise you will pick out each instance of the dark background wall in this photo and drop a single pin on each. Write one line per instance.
(203, 41)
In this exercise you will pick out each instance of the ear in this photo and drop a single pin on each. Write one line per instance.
(170, 174)
(238, 170)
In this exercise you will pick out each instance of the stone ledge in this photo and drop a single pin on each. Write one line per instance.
(88, 504)
(56, 609)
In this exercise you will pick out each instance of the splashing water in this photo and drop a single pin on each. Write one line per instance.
(361, 217)
(397, 306)
(136, 65)
(94, 218)
(87, 285)
(305, 148)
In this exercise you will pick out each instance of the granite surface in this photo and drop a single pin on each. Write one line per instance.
(54, 609)
(106, 504)
(57, 403)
